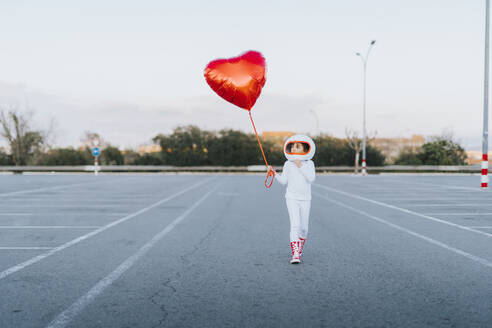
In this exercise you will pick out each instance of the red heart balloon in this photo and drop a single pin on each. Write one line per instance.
(238, 80)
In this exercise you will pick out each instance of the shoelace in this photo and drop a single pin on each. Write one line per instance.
(294, 247)
(301, 248)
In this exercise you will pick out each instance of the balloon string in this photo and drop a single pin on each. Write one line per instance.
(270, 173)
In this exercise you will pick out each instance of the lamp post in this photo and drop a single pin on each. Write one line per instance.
(364, 62)
(485, 134)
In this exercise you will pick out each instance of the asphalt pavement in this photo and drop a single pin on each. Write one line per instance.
(156, 250)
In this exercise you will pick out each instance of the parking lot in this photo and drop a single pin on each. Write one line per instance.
(152, 250)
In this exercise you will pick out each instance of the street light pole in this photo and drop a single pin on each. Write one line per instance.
(364, 62)
(485, 135)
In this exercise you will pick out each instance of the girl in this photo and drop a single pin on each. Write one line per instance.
(298, 173)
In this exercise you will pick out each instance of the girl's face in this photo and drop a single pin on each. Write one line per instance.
(297, 148)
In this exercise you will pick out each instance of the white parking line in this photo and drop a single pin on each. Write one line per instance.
(440, 186)
(402, 191)
(64, 318)
(65, 206)
(29, 191)
(479, 227)
(404, 210)
(95, 194)
(73, 198)
(456, 214)
(61, 200)
(54, 213)
(74, 193)
(413, 233)
(24, 248)
(75, 241)
(445, 205)
(385, 190)
(49, 227)
(451, 199)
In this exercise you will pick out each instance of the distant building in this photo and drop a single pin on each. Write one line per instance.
(391, 147)
(475, 156)
(276, 137)
(146, 149)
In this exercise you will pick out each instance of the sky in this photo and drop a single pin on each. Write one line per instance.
(132, 69)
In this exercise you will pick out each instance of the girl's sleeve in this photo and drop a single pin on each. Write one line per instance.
(282, 178)
(308, 171)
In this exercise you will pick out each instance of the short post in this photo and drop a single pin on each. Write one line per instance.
(485, 131)
(96, 152)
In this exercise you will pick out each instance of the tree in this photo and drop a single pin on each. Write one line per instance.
(331, 151)
(275, 155)
(5, 159)
(354, 142)
(232, 147)
(23, 141)
(187, 145)
(408, 156)
(111, 156)
(130, 157)
(149, 159)
(64, 156)
(92, 139)
(374, 156)
(442, 151)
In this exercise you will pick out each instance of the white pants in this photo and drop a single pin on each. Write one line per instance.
(299, 218)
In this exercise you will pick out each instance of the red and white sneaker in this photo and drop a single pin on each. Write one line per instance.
(302, 241)
(296, 258)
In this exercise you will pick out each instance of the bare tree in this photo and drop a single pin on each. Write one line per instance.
(92, 139)
(22, 139)
(355, 143)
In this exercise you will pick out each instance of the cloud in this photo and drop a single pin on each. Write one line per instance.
(129, 124)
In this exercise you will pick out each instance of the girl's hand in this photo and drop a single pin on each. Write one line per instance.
(270, 168)
(298, 163)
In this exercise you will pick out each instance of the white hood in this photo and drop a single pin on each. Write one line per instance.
(303, 139)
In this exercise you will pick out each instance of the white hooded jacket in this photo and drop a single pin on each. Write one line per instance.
(298, 180)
